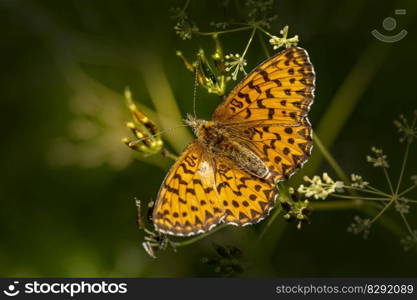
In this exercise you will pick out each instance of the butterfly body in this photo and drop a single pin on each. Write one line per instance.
(257, 137)
(219, 141)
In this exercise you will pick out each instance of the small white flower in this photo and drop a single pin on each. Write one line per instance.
(236, 64)
(185, 29)
(360, 226)
(409, 132)
(357, 181)
(178, 14)
(410, 241)
(402, 206)
(220, 25)
(278, 42)
(320, 188)
(380, 159)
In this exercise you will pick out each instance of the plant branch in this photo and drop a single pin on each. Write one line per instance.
(360, 198)
(402, 168)
(388, 180)
(225, 31)
(382, 211)
(330, 159)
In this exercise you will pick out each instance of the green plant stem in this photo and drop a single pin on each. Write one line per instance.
(263, 30)
(411, 200)
(407, 190)
(374, 190)
(271, 220)
(369, 191)
(359, 198)
(186, 5)
(225, 31)
(330, 159)
(165, 152)
(198, 237)
(388, 180)
(402, 168)
(264, 46)
(336, 205)
(249, 42)
(382, 211)
(407, 224)
(284, 196)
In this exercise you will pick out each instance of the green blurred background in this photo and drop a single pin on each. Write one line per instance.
(67, 182)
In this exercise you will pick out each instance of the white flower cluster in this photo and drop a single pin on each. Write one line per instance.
(409, 132)
(220, 25)
(278, 42)
(236, 63)
(410, 241)
(185, 29)
(402, 206)
(358, 182)
(380, 159)
(320, 188)
(360, 226)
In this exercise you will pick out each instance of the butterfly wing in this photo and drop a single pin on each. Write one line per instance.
(187, 202)
(267, 111)
(279, 90)
(283, 148)
(246, 199)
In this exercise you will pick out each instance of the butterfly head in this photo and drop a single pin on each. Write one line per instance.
(197, 125)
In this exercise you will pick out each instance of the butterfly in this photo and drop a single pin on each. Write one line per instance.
(259, 135)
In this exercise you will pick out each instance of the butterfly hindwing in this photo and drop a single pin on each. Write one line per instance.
(246, 199)
(187, 202)
(283, 149)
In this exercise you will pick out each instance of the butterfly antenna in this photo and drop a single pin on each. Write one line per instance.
(195, 93)
(135, 142)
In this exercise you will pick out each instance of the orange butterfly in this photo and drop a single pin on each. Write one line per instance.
(258, 136)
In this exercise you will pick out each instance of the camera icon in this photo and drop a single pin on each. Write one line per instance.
(390, 24)
(11, 290)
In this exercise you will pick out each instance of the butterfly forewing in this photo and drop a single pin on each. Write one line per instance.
(268, 110)
(279, 90)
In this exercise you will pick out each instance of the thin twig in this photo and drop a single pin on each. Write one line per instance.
(382, 211)
(402, 168)
(360, 198)
(249, 42)
(409, 189)
(264, 46)
(407, 224)
(225, 31)
(330, 159)
(388, 180)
